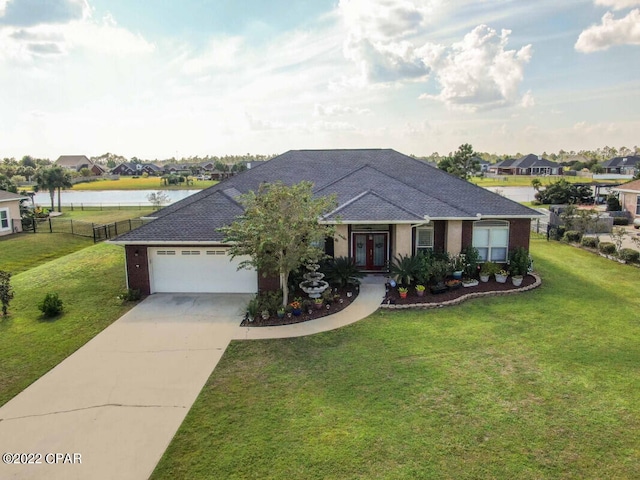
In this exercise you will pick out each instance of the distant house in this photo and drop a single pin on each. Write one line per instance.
(630, 197)
(528, 165)
(78, 162)
(128, 168)
(10, 219)
(628, 165)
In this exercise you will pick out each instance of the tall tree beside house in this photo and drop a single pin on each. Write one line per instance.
(464, 163)
(280, 229)
(52, 179)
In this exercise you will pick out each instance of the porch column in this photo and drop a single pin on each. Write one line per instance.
(402, 241)
(341, 241)
(453, 238)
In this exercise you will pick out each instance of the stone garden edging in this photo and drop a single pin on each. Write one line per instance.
(463, 298)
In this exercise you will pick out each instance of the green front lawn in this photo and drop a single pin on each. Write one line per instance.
(540, 385)
(88, 282)
(525, 180)
(141, 183)
(27, 250)
(106, 215)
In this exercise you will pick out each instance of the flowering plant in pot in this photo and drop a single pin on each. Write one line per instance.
(501, 276)
(487, 269)
(403, 292)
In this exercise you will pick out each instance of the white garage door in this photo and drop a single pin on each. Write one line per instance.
(199, 270)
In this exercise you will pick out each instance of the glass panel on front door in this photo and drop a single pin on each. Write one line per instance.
(370, 250)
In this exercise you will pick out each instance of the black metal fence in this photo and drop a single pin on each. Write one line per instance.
(87, 229)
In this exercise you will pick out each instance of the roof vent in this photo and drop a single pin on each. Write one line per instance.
(539, 157)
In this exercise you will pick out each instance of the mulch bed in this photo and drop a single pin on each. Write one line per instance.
(274, 321)
(434, 299)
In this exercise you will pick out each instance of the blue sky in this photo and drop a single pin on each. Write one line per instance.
(156, 79)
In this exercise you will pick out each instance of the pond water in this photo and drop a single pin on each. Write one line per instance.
(139, 197)
(109, 197)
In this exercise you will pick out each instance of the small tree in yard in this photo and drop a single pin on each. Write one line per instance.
(157, 199)
(6, 292)
(279, 229)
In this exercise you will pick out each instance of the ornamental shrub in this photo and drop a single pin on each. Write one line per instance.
(629, 255)
(51, 306)
(620, 221)
(589, 242)
(572, 236)
(607, 248)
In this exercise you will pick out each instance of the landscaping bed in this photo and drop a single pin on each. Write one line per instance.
(307, 314)
(450, 296)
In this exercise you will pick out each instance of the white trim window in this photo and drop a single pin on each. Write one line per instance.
(424, 239)
(5, 220)
(638, 205)
(491, 238)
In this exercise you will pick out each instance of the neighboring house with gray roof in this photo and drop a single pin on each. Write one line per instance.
(628, 165)
(78, 162)
(528, 165)
(389, 204)
(10, 218)
(630, 199)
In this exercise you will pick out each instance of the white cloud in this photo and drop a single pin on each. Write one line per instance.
(221, 53)
(334, 110)
(625, 31)
(378, 37)
(618, 4)
(479, 73)
(27, 13)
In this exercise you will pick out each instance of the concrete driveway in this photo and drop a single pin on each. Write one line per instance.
(117, 402)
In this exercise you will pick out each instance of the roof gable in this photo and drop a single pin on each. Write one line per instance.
(370, 185)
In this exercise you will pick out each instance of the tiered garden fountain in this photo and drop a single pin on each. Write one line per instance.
(313, 284)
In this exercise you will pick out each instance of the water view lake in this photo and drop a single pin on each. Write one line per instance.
(109, 197)
(139, 197)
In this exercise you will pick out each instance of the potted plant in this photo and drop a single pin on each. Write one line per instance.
(280, 312)
(453, 284)
(487, 269)
(469, 282)
(296, 307)
(439, 270)
(458, 264)
(403, 292)
(318, 303)
(518, 265)
(265, 314)
(501, 276)
(420, 290)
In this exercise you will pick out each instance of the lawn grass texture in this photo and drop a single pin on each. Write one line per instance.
(27, 250)
(525, 180)
(540, 385)
(88, 282)
(106, 214)
(141, 183)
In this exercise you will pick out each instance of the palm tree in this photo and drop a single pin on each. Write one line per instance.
(51, 179)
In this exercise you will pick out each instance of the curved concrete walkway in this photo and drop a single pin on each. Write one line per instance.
(372, 291)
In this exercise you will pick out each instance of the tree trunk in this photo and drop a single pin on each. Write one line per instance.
(59, 209)
(284, 284)
(52, 194)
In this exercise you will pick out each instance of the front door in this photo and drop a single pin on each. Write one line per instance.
(370, 250)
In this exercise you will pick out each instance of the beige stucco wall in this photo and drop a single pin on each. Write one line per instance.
(14, 216)
(453, 238)
(629, 202)
(341, 241)
(402, 241)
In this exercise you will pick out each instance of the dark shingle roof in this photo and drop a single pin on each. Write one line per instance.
(528, 161)
(9, 196)
(370, 185)
(621, 161)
